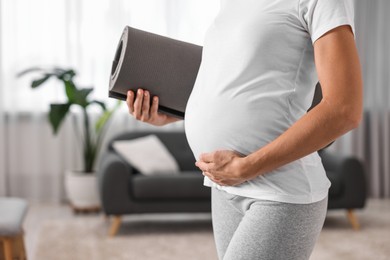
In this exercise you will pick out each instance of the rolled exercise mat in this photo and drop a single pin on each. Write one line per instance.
(166, 67)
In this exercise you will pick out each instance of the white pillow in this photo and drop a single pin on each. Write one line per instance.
(148, 154)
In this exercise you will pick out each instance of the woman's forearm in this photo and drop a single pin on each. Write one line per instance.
(313, 131)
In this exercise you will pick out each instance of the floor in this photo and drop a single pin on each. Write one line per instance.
(39, 212)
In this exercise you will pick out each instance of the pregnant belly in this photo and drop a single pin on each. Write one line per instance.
(236, 125)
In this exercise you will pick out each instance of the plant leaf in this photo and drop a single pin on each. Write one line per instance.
(70, 90)
(26, 71)
(36, 83)
(57, 114)
(101, 126)
(100, 103)
(81, 96)
(101, 122)
(65, 75)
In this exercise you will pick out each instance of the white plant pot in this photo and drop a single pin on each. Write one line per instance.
(82, 190)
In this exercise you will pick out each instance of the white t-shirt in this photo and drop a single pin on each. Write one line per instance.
(257, 78)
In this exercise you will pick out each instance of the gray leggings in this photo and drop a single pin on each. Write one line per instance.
(251, 229)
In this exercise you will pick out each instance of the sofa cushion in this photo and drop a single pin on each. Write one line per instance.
(336, 189)
(186, 185)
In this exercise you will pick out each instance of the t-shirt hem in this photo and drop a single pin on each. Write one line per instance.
(334, 24)
(286, 198)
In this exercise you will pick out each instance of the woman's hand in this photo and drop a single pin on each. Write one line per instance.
(144, 109)
(226, 168)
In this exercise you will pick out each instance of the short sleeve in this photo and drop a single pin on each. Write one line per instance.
(320, 16)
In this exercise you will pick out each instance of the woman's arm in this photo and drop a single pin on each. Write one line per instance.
(340, 110)
(139, 106)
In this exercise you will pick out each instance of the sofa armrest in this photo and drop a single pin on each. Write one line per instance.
(114, 180)
(351, 173)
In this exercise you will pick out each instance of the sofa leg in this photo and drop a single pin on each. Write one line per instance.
(21, 247)
(116, 222)
(7, 247)
(353, 219)
(12, 248)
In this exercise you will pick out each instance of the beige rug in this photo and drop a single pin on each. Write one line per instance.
(175, 237)
(158, 237)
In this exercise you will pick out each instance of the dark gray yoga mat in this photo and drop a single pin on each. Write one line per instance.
(166, 67)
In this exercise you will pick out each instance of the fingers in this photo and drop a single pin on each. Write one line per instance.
(138, 104)
(154, 107)
(130, 101)
(209, 170)
(219, 156)
(207, 157)
(208, 175)
(221, 167)
(214, 178)
(145, 106)
(204, 167)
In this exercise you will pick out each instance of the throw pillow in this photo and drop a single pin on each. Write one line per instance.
(148, 154)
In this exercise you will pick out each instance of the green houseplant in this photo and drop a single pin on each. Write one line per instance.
(91, 135)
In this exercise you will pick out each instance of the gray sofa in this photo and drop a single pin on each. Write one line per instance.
(124, 190)
(349, 188)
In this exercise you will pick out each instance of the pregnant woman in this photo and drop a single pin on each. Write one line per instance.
(247, 125)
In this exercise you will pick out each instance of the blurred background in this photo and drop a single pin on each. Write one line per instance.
(83, 35)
